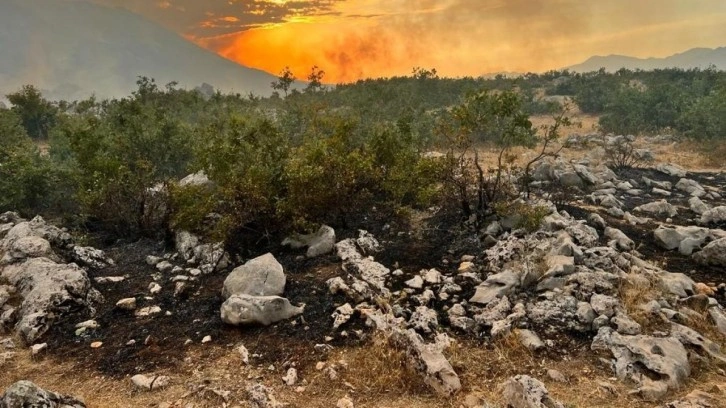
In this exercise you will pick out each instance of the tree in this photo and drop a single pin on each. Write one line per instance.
(284, 81)
(496, 119)
(36, 113)
(315, 79)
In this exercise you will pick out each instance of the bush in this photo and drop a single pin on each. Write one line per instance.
(23, 172)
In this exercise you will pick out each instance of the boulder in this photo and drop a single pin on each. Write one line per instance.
(691, 187)
(672, 170)
(319, 243)
(712, 254)
(523, 391)
(37, 227)
(427, 360)
(685, 239)
(261, 276)
(496, 286)
(659, 208)
(655, 364)
(620, 240)
(698, 206)
(25, 394)
(27, 247)
(90, 257)
(48, 289)
(714, 216)
(243, 309)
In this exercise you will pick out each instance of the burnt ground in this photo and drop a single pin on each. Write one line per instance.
(159, 341)
(642, 234)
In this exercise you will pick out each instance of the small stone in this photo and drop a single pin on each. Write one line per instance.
(345, 402)
(150, 382)
(206, 339)
(556, 376)
(244, 354)
(36, 349)
(290, 378)
(154, 288)
(148, 311)
(126, 304)
(96, 344)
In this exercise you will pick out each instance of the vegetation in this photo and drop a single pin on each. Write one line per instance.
(321, 154)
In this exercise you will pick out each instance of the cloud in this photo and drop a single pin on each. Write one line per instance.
(351, 39)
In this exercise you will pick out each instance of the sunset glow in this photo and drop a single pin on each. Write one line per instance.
(353, 39)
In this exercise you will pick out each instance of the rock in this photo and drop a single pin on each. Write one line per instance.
(625, 325)
(662, 208)
(688, 336)
(154, 288)
(290, 378)
(698, 206)
(597, 221)
(185, 243)
(719, 318)
(672, 170)
(152, 260)
(27, 247)
(207, 339)
(245, 309)
(48, 289)
(685, 239)
(198, 179)
(416, 282)
(150, 383)
(696, 399)
(523, 391)
(431, 276)
(244, 354)
(147, 311)
(496, 286)
(261, 397)
(36, 349)
(341, 315)
(91, 257)
(558, 265)
(640, 358)
(714, 216)
(556, 376)
(261, 276)
(712, 254)
(345, 402)
(37, 227)
(604, 305)
(164, 266)
(424, 320)
(620, 240)
(25, 394)
(319, 243)
(428, 360)
(691, 187)
(126, 304)
(530, 340)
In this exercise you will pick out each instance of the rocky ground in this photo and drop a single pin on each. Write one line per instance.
(616, 299)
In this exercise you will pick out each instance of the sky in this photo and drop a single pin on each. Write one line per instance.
(354, 39)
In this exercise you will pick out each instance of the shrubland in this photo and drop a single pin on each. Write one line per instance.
(321, 154)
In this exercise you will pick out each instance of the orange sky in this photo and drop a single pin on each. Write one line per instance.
(353, 39)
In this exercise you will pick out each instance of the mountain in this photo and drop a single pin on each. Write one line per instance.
(694, 58)
(72, 49)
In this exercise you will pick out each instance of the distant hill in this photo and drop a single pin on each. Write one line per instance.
(694, 58)
(71, 49)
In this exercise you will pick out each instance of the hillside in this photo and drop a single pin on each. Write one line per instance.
(694, 58)
(71, 49)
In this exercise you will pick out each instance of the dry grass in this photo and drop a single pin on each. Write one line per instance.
(638, 291)
(373, 376)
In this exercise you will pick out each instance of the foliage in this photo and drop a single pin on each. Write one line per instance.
(284, 80)
(23, 174)
(492, 118)
(37, 114)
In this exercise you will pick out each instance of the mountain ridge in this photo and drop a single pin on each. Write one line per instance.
(699, 57)
(73, 49)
